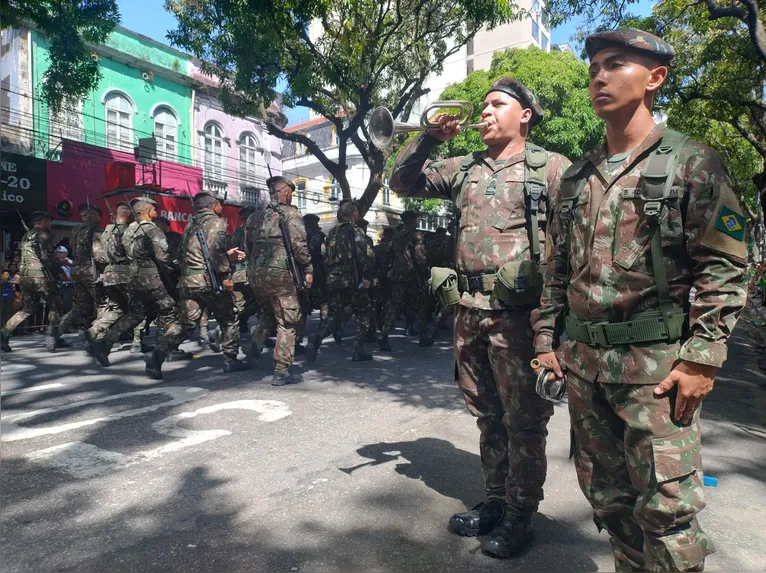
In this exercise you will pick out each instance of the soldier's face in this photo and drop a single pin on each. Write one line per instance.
(505, 116)
(621, 80)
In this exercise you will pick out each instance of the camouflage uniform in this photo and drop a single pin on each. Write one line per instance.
(639, 468)
(270, 279)
(408, 279)
(35, 284)
(383, 259)
(196, 290)
(317, 242)
(343, 284)
(492, 342)
(88, 292)
(243, 294)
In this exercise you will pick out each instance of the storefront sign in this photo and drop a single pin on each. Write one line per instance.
(22, 183)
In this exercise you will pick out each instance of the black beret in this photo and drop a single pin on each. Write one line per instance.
(164, 220)
(408, 216)
(203, 200)
(41, 216)
(521, 93)
(310, 217)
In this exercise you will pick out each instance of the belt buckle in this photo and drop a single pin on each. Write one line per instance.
(597, 334)
(475, 284)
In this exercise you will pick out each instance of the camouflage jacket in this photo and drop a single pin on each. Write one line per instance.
(347, 242)
(410, 261)
(610, 275)
(145, 243)
(239, 268)
(175, 242)
(317, 242)
(491, 201)
(193, 273)
(263, 241)
(117, 270)
(383, 256)
(441, 251)
(35, 241)
(86, 245)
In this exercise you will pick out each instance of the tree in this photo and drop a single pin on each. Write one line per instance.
(560, 83)
(68, 25)
(340, 58)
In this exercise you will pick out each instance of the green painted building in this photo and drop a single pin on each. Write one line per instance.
(146, 89)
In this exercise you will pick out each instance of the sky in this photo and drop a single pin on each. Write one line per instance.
(148, 17)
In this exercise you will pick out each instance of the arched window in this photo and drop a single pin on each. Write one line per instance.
(119, 122)
(248, 150)
(166, 133)
(213, 152)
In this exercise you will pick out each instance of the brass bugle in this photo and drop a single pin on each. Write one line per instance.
(383, 128)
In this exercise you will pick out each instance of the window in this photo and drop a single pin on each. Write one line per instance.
(544, 42)
(166, 133)
(535, 7)
(300, 149)
(334, 190)
(536, 31)
(67, 124)
(300, 187)
(213, 152)
(469, 67)
(119, 122)
(248, 148)
(544, 20)
(386, 193)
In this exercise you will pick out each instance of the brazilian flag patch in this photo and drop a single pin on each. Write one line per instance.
(731, 223)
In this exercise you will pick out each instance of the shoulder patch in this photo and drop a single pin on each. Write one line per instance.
(731, 223)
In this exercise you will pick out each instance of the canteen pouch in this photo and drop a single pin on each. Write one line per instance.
(443, 284)
(518, 283)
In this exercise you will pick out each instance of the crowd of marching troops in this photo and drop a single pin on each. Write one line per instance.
(137, 271)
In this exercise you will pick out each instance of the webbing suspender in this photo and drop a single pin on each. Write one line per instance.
(535, 183)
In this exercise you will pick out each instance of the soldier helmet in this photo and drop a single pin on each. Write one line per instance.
(85, 207)
(631, 39)
(141, 204)
(521, 93)
(204, 200)
(41, 216)
(408, 216)
(277, 179)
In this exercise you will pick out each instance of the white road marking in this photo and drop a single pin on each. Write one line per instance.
(10, 431)
(32, 389)
(83, 460)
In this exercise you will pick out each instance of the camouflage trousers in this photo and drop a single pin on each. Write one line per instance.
(32, 290)
(244, 300)
(283, 312)
(169, 325)
(116, 305)
(343, 304)
(407, 298)
(222, 306)
(493, 349)
(641, 473)
(87, 296)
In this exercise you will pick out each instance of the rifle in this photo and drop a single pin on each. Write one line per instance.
(212, 273)
(299, 277)
(49, 274)
(357, 277)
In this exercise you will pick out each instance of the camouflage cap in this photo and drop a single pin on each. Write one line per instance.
(41, 216)
(203, 200)
(277, 179)
(140, 204)
(632, 39)
(520, 92)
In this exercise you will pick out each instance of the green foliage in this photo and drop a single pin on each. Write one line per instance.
(68, 26)
(560, 83)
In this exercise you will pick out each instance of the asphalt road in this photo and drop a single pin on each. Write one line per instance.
(358, 468)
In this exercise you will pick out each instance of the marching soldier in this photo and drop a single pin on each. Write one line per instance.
(372, 292)
(175, 240)
(637, 223)
(115, 277)
(502, 196)
(196, 286)
(350, 273)
(243, 294)
(383, 258)
(409, 277)
(88, 292)
(271, 280)
(317, 242)
(40, 270)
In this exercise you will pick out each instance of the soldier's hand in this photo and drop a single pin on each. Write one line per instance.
(694, 381)
(449, 124)
(366, 283)
(228, 284)
(235, 254)
(309, 279)
(548, 361)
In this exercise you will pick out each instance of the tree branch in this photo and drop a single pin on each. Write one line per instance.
(748, 15)
(311, 145)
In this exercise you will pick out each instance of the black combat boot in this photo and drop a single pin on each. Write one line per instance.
(425, 342)
(479, 521)
(383, 343)
(214, 340)
(5, 340)
(412, 331)
(141, 348)
(87, 341)
(255, 347)
(360, 355)
(178, 355)
(300, 350)
(312, 348)
(283, 378)
(153, 361)
(61, 343)
(51, 336)
(511, 535)
(100, 351)
(233, 365)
